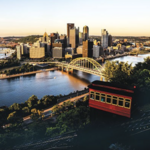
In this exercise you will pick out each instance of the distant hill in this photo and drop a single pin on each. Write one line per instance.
(29, 39)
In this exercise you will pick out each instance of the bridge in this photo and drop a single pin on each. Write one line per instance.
(84, 64)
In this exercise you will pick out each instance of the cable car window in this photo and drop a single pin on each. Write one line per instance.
(108, 99)
(97, 96)
(102, 97)
(120, 102)
(114, 101)
(92, 95)
(127, 103)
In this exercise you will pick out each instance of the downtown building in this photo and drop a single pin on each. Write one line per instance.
(87, 50)
(18, 49)
(69, 26)
(44, 42)
(96, 51)
(80, 37)
(74, 37)
(58, 52)
(104, 38)
(109, 40)
(37, 52)
(85, 33)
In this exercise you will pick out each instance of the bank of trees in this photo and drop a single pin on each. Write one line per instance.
(33, 106)
(24, 68)
(9, 63)
(28, 39)
(70, 117)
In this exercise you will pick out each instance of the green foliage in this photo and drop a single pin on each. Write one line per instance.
(73, 118)
(53, 131)
(22, 69)
(36, 114)
(9, 63)
(117, 71)
(28, 39)
(126, 74)
(14, 118)
(69, 120)
(15, 107)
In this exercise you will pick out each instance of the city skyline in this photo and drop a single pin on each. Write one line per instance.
(22, 18)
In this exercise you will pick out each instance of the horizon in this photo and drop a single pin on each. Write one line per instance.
(89, 35)
(23, 18)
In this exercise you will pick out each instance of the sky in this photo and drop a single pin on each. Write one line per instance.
(34, 17)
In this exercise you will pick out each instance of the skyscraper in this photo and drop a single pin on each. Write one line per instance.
(87, 49)
(74, 37)
(104, 38)
(85, 33)
(96, 51)
(69, 26)
(45, 38)
(53, 37)
(109, 40)
(18, 47)
(80, 37)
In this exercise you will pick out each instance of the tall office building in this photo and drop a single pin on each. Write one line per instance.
(45, 38)
(80, 37)
(85, 33)
(80, 49)
(87, 49)
(58, 52)
(64, 38)
(96, 51)
(109, 40)
(74, 37)
(69, 26)
(18, 47)
(53, 37)
(24, 48)
(104, 38)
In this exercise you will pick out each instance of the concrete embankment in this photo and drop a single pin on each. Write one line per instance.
(25, 74)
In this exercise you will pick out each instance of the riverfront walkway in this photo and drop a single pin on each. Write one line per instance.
(25, 74)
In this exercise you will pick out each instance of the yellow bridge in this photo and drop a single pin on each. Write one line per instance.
(84, 64)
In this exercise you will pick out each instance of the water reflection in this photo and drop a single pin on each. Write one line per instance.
(21, 88)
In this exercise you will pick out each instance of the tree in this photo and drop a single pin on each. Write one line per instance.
(32, 100)
(15, 107)
(36, 114)
(117, 72)
(14, 118)
(25, 110)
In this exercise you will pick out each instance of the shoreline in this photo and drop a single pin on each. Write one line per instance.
(26, 73)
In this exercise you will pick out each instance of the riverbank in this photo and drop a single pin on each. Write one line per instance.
(112, 57)
(24, 74)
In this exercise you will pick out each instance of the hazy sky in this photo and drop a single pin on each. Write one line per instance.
(27, 17)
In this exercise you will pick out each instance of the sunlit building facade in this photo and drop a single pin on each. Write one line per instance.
(104, 38)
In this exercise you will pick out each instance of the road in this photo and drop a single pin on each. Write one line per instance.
(28, 120)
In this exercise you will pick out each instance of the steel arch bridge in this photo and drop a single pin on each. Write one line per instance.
(87, 65)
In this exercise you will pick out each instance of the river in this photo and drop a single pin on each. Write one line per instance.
(18, 90)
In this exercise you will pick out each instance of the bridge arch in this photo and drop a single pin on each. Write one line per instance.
(86, 62)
